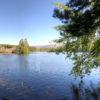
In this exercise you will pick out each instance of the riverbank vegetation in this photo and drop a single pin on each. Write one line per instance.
(24, 48)
(6, 48)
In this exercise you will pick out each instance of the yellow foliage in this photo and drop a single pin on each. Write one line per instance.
(61, 6)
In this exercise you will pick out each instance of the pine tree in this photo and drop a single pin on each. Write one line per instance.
(80, 32)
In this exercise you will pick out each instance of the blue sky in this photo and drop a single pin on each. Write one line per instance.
(31, 19)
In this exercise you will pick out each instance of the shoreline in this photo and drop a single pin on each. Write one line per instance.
(24, 54)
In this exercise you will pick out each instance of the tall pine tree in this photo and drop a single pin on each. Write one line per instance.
(80, 32)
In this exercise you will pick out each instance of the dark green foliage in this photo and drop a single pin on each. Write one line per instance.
(83, 17)
(80, 33)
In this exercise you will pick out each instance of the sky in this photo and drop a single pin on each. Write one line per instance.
(31, 19)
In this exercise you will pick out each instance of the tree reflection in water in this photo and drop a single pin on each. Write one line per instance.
(81, 92)
(84, 62)
(23, 62)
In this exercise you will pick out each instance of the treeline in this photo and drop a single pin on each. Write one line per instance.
(42, 49)
(24, 48)
(48, 48)
(7, 46)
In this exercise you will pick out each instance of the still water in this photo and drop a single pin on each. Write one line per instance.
(45, 76)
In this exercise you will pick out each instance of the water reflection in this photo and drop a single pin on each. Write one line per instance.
(81, 92)
(23, 62)
(84, 62)
(45, 76)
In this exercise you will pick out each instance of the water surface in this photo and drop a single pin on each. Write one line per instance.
(44, 76)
